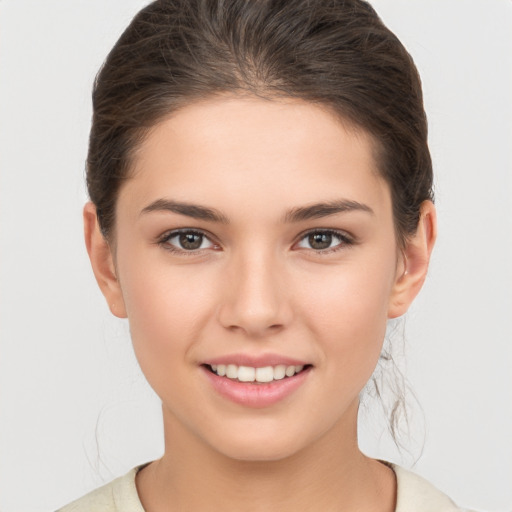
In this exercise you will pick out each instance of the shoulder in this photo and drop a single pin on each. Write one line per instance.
(119, 495)
(415, 494)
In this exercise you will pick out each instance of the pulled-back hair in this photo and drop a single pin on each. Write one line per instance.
(336, 53)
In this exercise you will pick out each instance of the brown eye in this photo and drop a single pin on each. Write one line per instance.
(325, 240)
(320, 241)
(187, 241)
(190, 241)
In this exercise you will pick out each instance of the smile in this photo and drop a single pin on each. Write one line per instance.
(252, 374)
(253, 383)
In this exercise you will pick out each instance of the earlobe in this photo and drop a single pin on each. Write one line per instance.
(413, 267)
(102, 262)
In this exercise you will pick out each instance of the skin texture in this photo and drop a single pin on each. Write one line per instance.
(257, 286)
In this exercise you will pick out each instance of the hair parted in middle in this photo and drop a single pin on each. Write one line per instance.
(334, 53)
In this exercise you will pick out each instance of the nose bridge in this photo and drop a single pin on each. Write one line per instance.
(256, 298)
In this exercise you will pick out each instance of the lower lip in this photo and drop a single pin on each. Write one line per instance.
(258, 395)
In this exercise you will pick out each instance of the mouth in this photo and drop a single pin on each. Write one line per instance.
(256, 381)
(256, 375)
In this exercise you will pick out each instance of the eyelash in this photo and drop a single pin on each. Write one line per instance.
(344, 238)
(163, 241)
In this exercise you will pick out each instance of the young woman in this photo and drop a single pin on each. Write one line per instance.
(261, 206)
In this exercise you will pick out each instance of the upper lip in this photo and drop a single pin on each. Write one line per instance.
(255, 361)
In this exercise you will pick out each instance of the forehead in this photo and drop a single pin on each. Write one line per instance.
(243, 152)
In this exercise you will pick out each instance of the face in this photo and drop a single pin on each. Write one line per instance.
(256, 238)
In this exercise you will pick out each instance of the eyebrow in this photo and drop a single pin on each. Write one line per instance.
(190, 210)
(319, 210)
(315, 211)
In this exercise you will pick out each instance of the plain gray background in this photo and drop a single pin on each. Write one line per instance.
(74, 408)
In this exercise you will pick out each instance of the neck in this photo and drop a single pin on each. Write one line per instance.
(331, 474)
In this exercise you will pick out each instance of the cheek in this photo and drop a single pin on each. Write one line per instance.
(347, 312)
(166, 311)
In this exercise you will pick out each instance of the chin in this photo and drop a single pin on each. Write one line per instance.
(260, 444)
(259, 452)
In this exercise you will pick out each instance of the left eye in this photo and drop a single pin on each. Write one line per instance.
(188, 241)
(323, 240)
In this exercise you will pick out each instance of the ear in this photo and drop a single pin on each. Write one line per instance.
(102, 261)
(412, 270)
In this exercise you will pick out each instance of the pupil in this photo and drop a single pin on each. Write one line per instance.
(320, 240)
(190, 241)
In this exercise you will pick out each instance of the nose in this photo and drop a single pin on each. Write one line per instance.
(256, 299)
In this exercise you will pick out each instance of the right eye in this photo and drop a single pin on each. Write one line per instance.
(324, 241)
(186, 241)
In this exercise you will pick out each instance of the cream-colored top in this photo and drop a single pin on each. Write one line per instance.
(414, 494)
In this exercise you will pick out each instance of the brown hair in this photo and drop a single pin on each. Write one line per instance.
(337, 53)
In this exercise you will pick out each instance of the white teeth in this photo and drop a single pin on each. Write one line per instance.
(232, 371)
(250, 374)
(246, 374)
(265, 374)
(290, 371)
(279, 372)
